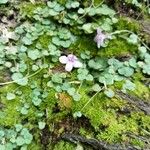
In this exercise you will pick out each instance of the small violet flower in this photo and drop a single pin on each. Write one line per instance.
(70, 61)
(100, 38)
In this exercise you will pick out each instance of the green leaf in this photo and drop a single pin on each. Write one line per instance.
(107, 79)
(2, 147)
(53, 12)
(96, 87)
(75, 4)
(71, 91)
(26, 41)
(133, 63)
(89, 77)
(56, 78)
(126, 71)
(105, 10)
(24, 147)
(41, 125)
(77, 114)
(146, 68)
(81, 11)
(23, 48)
(26, 135)
(34, 54)
(88, 28)
(18, 127)
(109, 93)
(10, 96)
(20, 141)
(133, 38)
(36, 101)
(98, 64)
(9, 146)
(3, 1)
(56, 41)
(76, 96)
(79, 147)
(2, 133)
(23, 81)
(24, 111)
(128, 85)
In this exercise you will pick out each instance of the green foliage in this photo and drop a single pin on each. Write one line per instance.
(3, 1)
(20, 137)
(118, 47)
(83, 74)
(10, 96)
(64, 146)
(128, 86)
(34, 86)
(109, 93)
(127, 24)
(27, 8)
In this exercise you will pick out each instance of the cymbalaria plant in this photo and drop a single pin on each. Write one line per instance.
(79, 67)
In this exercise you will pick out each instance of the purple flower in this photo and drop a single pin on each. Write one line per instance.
(70, 61)
(100, 38)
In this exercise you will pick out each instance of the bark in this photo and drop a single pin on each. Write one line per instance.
(139, 103)
(96, 144)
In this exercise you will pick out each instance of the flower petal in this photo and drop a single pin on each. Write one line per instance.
(99, 44)
(99, 31)
(71, 56)
(69, 67)
(77, 64)
(63, 59)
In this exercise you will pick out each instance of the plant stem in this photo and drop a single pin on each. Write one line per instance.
(10, 82)
(91, 99)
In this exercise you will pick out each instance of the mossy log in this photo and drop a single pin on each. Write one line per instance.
(139, 103)
(96, 144)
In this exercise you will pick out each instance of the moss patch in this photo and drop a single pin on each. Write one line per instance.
(118, 48)
(125, 23)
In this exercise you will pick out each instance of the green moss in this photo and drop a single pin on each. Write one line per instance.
(113, 133)
(125, 23)
(62, 2)
(118, 48)
(98, 2)
(137, 142)
(9, 114)
(34, 146)
(84, 44)
(28, 8)
(86, 132)
(63, 146)
(96, 110)
(130, 123)
(44, 40)
(141, 91)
